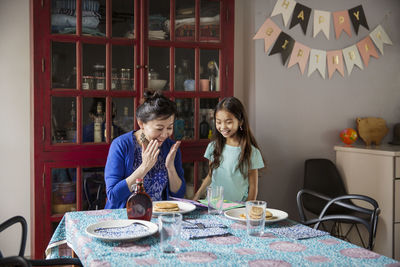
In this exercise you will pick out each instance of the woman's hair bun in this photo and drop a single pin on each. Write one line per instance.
(149, 95)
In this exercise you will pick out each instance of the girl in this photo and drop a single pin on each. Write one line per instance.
(234, 156)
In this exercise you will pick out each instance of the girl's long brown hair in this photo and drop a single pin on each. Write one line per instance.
(246, 138)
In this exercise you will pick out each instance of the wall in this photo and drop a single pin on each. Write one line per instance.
(297, 117)
(15, 118)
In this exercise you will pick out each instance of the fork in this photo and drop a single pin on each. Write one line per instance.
(199, 225)
(118, 227)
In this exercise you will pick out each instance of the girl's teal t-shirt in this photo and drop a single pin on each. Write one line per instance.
(236, 187)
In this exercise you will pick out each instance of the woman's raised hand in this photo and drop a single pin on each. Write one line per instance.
(150, 154)
(170, 160)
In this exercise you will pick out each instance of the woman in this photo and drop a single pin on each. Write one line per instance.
(147, 153)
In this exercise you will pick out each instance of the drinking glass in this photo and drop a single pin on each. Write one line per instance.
(215, 199)
(170, 231)
(255, 217)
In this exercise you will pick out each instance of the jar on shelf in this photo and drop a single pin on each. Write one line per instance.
(100, 75)
(114, 79)
(87, 82)
(125, 79)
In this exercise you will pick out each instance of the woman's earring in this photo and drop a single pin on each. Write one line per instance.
(241, 128)
(143, 139)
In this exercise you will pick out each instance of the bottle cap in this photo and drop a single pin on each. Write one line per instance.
(139, 180)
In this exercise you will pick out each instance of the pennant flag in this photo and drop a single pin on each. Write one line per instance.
(380, 37)
(322, 22)
(367, 49)
(301, 14)
(317, 61)
(269, 31)
(299, 55)
(357, 17)
(341, 22)
(335, 62)
(284, 45)
(352, 57)
(284, 7)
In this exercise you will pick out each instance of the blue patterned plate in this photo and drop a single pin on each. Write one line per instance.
(121, 230)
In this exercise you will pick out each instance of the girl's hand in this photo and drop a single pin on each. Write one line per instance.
(170, 160)
(150, 154)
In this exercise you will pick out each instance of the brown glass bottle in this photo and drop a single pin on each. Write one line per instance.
(139, 205)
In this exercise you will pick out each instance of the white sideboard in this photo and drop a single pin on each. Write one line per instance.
(375, 172)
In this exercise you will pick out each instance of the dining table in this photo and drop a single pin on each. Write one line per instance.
(234, 248)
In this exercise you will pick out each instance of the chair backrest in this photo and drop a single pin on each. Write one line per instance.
(94, 189)
(369, 218)
(321, 176)
(24, 225)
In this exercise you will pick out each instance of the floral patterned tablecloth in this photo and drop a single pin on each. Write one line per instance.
(238, 249)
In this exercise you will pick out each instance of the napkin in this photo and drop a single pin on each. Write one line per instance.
(297, 231)
(197, 204)
(227, 205)
(132, 230)
(209, 228)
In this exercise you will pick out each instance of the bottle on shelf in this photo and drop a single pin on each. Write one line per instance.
(212, 75)
(204, 128)
(209, 134)
(139, 205)
(126, 121)
(98, 122)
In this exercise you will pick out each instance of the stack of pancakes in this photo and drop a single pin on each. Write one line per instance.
(256, 213)
(165, 207)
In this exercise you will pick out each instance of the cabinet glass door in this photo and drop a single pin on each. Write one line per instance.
(93, 186)
(184, 125)
(184, 76)
(63, 119)
(185, 20)
(210, 21)
(159, 20)
(209, 70)
(123, 19)
(122, 68)
(206, 114)
(158, 75)
(94, 67)
(63, 65)
(63, 190)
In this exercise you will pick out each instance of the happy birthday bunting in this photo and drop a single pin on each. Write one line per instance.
(380, 37)
(357, 17)
(341, 22)
(351, 58)
(355, 55)
(301, 15)
(367, 49)
(317, 62)
(299, 55)
(284, 7)
(322, 22)
(283, 45)
(335, 62)
(269, 31)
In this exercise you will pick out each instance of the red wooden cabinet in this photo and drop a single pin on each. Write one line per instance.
(92, 61)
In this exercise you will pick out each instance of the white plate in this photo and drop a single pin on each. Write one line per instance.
(234, 214)
(184, 207)
(90, 230)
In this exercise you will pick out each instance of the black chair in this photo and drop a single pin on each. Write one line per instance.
(94, 190)
(325, 196)
(20, 260)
